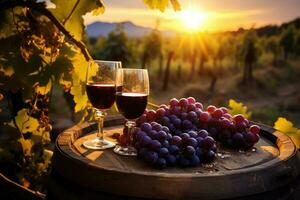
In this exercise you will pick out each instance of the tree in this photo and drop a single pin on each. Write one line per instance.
(116, 47)
(272, 46)
(152, 48)
(287, 41)
(250, 56)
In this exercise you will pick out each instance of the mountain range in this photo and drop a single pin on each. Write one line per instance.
(98, 28)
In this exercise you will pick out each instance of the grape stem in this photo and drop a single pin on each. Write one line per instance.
(40, 7)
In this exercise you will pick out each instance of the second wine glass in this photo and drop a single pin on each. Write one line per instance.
(131, 99)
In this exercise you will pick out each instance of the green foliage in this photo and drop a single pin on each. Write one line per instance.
(287, 127)
(238, 108)
(287, 41)
(152, 47)
(115, 47)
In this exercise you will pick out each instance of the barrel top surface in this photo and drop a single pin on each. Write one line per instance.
(228, 160)
(272, 147)
(272, 163)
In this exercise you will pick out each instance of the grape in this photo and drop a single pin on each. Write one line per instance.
(203, 133)
(238, 139)
(140, 135)
(238, 118)
(183, 102)
(214, 148)
(208, 142)
(227, 116)
(164, 106)
(173, 149)
(165, 129)
(174, 102)
(194, 161)
(183, 116)
(204, 117)
(184, 162)
(176, 140)
(165, 144)
(184, 137)
(254, 129)
(161, 135)
(192, 115)
(146, 127)
(199, 152)
(211, 108)
(192, 142)
(171, 160)
(177, 122)
(165, 120)
(224, 123)
(187, 124)
(171, 127)
(153, 124)
(169, 136)
(224, 135)
(199, 141)
(172, 118)
(160, 112)
(241, 127)
(217, 113)
(151, 114)
(157, 127)
(191, 100)
(213, 122)
(160, 163)
(251, 137)
(145, 140)
(151, 157)
(189, 151)
(155, 145)
(198, 112)
(193, 134)
(163, 152)
(175, 110)
(152, 134)
(247, 123)
(210, 155)
(224, 110)
(191, 107)
(199, 105)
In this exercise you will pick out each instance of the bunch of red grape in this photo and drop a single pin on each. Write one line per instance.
(184, 133)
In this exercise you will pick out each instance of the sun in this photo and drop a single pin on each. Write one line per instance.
(192, 20)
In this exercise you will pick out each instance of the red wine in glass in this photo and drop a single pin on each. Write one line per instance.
(131, 105)
(102, 96)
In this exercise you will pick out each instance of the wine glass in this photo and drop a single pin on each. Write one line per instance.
(131, 99)
(101, 91)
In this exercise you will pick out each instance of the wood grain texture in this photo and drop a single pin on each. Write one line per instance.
(274, 163)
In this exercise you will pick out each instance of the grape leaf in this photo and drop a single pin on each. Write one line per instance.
(287, 127)
(24, 122)
(284, 125)
(162, 4)
(72, 18)
(238, 108)
(26, 146)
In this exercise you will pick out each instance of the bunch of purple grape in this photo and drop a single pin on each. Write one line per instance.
(193, 130)
(160, 149)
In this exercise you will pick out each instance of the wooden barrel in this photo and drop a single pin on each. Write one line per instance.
(271, 164)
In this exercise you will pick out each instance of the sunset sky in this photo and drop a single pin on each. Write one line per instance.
(212, 15)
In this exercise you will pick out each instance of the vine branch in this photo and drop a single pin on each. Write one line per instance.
(73, 9)
(40, 7)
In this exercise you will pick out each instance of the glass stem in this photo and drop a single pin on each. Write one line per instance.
(130, 125)
(101, 116)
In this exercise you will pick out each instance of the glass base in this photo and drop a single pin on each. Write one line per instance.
(125, 151)
(98, 144)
